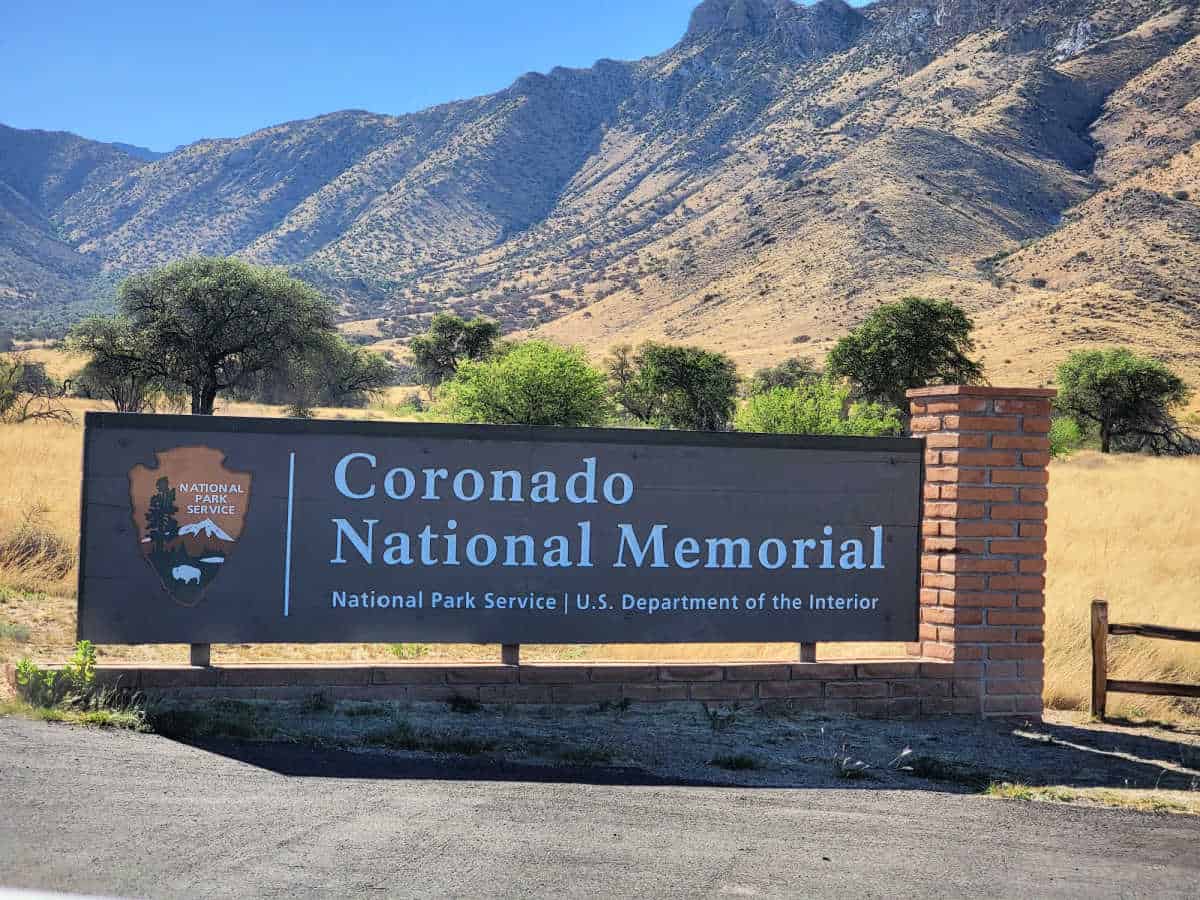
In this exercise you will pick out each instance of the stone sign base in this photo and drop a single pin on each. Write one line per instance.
(893, 688)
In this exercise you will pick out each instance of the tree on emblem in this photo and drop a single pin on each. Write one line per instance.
(161, 524)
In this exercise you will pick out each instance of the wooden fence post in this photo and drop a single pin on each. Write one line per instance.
(808, 653)
(1099, 658)
(201, 655)
(510, 654)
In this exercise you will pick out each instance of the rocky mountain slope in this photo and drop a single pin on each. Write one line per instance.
(758, 187)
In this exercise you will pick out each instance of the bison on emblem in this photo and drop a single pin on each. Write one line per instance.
(188, 511)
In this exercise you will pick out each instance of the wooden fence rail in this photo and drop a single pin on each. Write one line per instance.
(1102, 684)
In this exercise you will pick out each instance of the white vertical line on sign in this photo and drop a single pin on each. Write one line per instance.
(287, 554)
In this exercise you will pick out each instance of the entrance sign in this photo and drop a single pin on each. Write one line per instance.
(223, 530)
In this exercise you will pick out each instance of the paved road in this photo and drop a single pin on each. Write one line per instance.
(138, 815)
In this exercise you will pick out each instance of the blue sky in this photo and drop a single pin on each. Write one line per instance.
(164, 73)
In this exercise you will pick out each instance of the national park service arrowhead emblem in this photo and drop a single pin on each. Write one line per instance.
(188, 514)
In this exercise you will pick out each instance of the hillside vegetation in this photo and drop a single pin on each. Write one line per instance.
(757, 188)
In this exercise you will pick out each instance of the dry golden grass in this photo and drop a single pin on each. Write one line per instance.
(1121, 528)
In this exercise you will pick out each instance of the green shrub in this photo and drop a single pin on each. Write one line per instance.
(818, 407)
(1065, 437)
(73, 684)
(10, 631)
(532, 383)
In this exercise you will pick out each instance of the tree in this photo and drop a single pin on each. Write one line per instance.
(532, 383)
(1125, 399)
(210, 324)
(816, 407)
(161, 524)
(116, 371)
(27, 394)
(674, 386)
(331, 372)
(790, 373)
(910, 344)
(449, 341)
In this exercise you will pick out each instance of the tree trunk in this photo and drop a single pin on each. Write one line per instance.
(204, 398)
(1105, 439)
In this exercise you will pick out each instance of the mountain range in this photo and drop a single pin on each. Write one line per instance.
(757, 188)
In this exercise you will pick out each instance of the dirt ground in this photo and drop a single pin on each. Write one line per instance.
(1064, 758)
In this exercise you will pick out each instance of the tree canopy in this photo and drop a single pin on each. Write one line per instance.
(816, 407)
(1125, 399)
(449, 341)
(914, 343)
(207, 325)
(674, 386)
(790, 373)
(531, 383)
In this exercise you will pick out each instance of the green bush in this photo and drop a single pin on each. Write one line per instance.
(818, 407)
(1065, 437)
(74, 683)
(532, 383)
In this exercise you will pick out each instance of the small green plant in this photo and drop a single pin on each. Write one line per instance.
(736, 762)
(73, 684)
(410, 651)
(1065, 437)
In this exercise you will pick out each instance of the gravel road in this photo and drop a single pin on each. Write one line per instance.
(124, 814)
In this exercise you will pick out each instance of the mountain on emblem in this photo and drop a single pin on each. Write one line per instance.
(189, 511)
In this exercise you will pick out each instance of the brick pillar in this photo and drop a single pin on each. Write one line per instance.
(983, 561)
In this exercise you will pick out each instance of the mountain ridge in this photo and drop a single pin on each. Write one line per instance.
(758, 187)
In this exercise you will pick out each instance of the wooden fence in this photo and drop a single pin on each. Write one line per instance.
(1102, 684)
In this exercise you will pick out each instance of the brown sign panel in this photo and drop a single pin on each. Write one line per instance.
(221, 530)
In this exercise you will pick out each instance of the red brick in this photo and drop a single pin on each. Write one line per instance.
(1031, 601)
(988, 458)
(952, 582)
(1019, 442)
(1035, 460)
(982, 634)
(1016, 583)
(1018, 511)
(933, 491)
(1015, 686)
(1034, 425)
(980, 529)
(540, 674)
(946, 615)
(980, 599)
(888, 670)
(927, 632)
(956, 441)
(981, 423)
(930, 597)
(954, 545)
(1018, 547)
(1034, 495)
(1015, 651)
(690, 673)
(951, 563)
(925, 423)
(624, 674)
(1032, 636)
(1015, 617)
(824, 671)
(953, 670)
(481, 674)
(1020, 476)
(725, 690)
(973, 492)
(1033, 529)
(1030, 706)
(964, 688)
(856, 689)
(1032, 566)
(770, 672)
(788, 690)
(1024, 407)
(953, 405)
